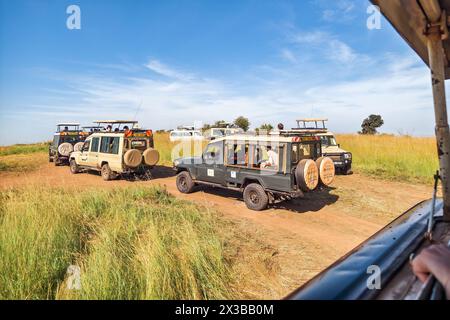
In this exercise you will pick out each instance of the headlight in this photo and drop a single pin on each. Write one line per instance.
(348, 156)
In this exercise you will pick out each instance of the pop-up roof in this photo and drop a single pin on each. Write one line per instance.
(409, 18)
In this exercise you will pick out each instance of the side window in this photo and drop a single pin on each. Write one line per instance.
(86, 146)
(267, 157)
(55, 140)
(213, 153)
(110, 145)
(94, 145)
(238, 154)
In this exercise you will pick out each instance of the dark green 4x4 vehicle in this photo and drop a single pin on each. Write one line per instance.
(264, 168)
(67, 138)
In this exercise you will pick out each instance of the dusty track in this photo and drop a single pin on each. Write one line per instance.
(297, 239)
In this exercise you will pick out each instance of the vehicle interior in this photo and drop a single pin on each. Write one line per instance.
(423, 24)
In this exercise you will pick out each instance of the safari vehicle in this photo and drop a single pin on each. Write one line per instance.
(185, 133)
(215, 133)
(118, 150)
(67, 138)
(265, 168)
(330, 148)
(380, 267)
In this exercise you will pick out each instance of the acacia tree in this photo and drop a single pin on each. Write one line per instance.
(371, 124)
(242, 123)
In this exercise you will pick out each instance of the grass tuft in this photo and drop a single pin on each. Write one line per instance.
(135, 243)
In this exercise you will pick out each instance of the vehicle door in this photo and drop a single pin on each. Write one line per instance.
(212, 168)
(54, 146)
(85, 153)
(110, 152)
(92, 158)
(237, 161)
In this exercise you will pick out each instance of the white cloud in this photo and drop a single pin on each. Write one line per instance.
(162, 69)
(398, 89)
(288, 55)
(329, 45)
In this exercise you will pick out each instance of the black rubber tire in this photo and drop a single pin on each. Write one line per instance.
(107, 173)
(185, 184)
(74, 168)
(255, 197)
(50, 158)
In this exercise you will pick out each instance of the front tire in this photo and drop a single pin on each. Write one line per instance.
(107, 173)
(74, 169)
(185, 184)
(255, 197)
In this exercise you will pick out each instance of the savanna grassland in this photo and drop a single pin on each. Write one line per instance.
(401, 158)
(141, 242)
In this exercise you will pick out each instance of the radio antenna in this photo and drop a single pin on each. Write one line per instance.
(137, 110)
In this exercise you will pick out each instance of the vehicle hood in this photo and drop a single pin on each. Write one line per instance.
(333, 149)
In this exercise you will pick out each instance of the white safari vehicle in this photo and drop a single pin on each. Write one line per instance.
(118, 149)
(185, 134)
(330, 148)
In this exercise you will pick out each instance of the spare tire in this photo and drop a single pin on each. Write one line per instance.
(132, 158)
(65, 149)
(151, 157)
(307, 175)
(326, 170)
(78, 146)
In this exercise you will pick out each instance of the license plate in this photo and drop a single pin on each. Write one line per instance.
(338, 163)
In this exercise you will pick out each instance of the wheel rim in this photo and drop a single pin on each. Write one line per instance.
(183, 183)
(254, 197)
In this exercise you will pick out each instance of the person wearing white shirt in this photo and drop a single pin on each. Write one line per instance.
(272, 161)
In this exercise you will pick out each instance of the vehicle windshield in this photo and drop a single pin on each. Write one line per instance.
(70, 139)
(218, 132)
(328, 141)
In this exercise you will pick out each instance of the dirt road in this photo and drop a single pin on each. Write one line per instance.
(283, 247)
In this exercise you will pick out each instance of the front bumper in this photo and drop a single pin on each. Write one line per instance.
(343, 164)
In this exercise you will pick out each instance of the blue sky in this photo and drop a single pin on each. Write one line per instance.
(176, 62)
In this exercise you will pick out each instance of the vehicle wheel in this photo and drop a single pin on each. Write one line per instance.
(56, 162)
(255, 197)
(50, 159)
(327, 171)
(307, 175)
(185, 184)
(107, 173)
(74, 169)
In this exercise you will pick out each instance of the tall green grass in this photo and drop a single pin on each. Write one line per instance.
(130, 243)
(24, 149)
(393, 157)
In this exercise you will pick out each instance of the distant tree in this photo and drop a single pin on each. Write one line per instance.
(206, 127)
(371, 124)
(220, 124)
(242, 123)
(267, 127)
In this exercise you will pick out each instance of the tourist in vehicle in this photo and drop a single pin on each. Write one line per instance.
(434, 260)
(272, 161)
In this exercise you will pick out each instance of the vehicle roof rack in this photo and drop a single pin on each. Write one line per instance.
(115, 121)
(312, 124)
(299, 132)
(72, 124)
